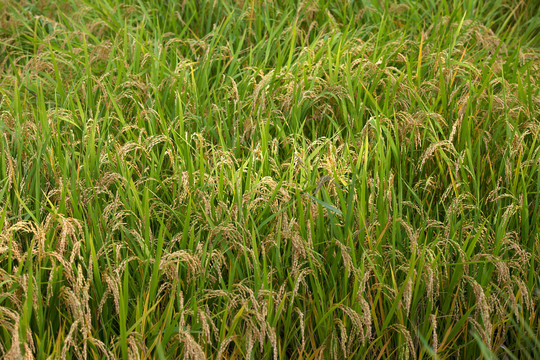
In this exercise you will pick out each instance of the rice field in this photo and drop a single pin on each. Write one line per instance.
(248, 179)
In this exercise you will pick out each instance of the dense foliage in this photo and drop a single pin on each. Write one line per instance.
(256, 179)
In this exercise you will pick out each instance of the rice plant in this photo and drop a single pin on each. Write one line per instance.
(246, 179)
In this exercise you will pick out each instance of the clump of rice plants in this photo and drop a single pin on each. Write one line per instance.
(232, 179)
